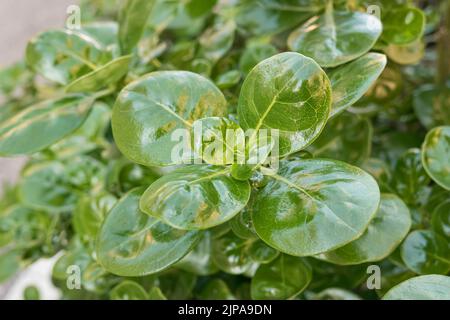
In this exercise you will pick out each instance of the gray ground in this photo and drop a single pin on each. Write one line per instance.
(19, 21)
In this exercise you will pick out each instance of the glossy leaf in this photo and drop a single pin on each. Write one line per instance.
(195, 197)
(315, 205)
(199, 260)
(217, 40)
(130, 243)
(262, 253)
(272, 16)
(283, 278)
(436, 155)
(288, 92)
(230, 254)
(430, 287)
(351, 81)
(432, 105)
(385, 232)
(65, 55)
(336, 37)
(403, 26)
(128, 290)
(426, 252)
(133, 15)
(43, 124)
(149, 110)
(103, 76)
(441, 219)
(410, 178)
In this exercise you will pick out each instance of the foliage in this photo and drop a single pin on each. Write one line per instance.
(357, 174)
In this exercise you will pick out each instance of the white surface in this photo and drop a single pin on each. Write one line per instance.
(38, 275)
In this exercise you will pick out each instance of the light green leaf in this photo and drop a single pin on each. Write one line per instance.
(283, 278)
(336, 37)
(426, 252)
(45, 186)
(131, 243)
(65, 55)
(403, 26)
(133, 15)
(196, 197)
(410, 53)
(430, 287)
(410, 178)
(216, 289)
(128, 290)
(217, 40)
(43, 124)
(351, 81)
(436, 155)
(441, 219)
(149, 110)
(156, 294)
(199, 260)
(315, 205)
(230, 254)
(288, 92)
(264, 17)
(384, 233)
(103, 76)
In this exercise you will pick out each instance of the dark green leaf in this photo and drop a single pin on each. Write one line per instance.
(436, 155)
(313, 206)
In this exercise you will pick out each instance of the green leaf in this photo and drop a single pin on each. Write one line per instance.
(156, 294)
(335, 294)
(10, 263)
(199, 260)
(436, 155)
(336, 37)
(315, 205)
(133, 15)
(44, 186)
(403, 26)
(217, 40)
(130, 243)
(288, 92)
(426, 252)
(341, 135)
(283, 278)
(176, 284)
(230, 254)
(410, 53)
(351, 81)
(265, 17)
(195, 197)
(41, 125)
(64, 55)
(31, 293)
(430, 287)
(104, 32)
(254, 54)
(441, 219)
(385, 232)
(128, 290)
(103, 76)
(216, 289)
(432, 105)
(262, 253)
(410, 178)
(149, 110)
(89, 213)
(210, 144)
